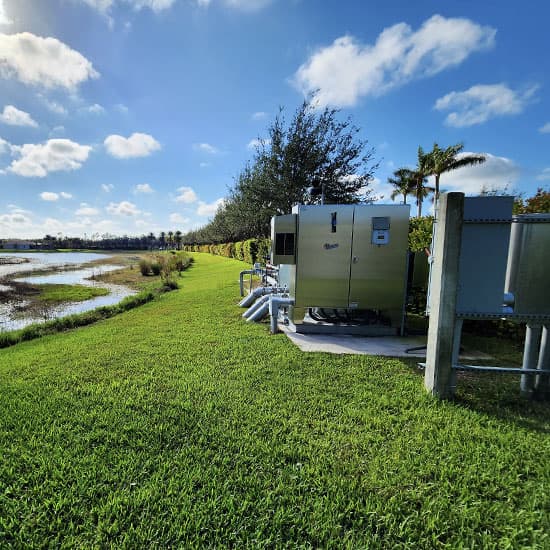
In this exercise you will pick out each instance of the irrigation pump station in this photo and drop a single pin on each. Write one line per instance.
(346, 269)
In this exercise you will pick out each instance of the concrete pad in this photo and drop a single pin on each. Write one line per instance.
(385, 346)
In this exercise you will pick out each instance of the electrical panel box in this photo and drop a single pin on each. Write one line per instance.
(351, 257)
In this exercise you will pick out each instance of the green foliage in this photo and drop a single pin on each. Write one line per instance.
(156, 267)
(58, 293)
(176, 425)
(420, 233)
(145, 267)
(239, 252)
(313, 150)
(539, 203)
(250, 249)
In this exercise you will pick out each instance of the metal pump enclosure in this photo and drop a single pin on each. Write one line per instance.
(351, 257)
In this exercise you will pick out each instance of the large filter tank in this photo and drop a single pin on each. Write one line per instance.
(528, 270)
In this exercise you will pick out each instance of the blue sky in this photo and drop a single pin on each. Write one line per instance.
(131, 116)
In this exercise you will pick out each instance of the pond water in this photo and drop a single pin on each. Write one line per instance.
(18, 314)
(36, 261)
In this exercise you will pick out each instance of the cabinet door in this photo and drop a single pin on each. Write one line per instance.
(379, 258)
(323, 256)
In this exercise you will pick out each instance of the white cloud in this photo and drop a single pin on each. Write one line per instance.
(483, 102)
(247, 5)
(495, 173)
(545, 129)
(37, 160)
(107, 187)
(15, 117)
(206, 148)
(143, 188)
(13, 219)
(137, 145)
(123, 208)
(544, 175)
(4, 146)
(86, 210)
(53, 106)
(259, 115)
(4, 19)
(64, 195)
(345, 71)
(49, 196)
(186, 195)
(57, 131)
(121, 108)
(178, 218)
(255, 143)
(95, 109)
(44, 62)
(104, 6)
(209, 209)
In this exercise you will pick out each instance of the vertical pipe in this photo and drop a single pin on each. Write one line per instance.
(443, 291)
(542, 385)
(456, 353)
(530, 357)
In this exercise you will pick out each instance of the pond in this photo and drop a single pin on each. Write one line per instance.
(18, 313)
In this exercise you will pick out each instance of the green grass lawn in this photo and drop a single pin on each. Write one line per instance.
(178, 425)
(60, 293)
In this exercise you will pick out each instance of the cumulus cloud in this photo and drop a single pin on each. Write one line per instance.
(137, 145)
(44, 62)
(259, 115)
(86, 210)
(107, 187)
(4, 19)
(143, 188)
(544, 175)
(495, 173)
(57, 131)
(55, 155)
(206, 148)
(64, 195)
(123, 208)
(178, 218)
(4, 146)
(545, 129)
(13, 219)
(49, 196)
(53, 106)
(14, 117)
(483, 102)
(186, 195)
(209, 209)
(345, 71)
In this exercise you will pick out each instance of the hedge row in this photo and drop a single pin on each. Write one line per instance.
(249, 251)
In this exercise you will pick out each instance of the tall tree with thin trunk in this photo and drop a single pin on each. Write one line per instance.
(438, 161)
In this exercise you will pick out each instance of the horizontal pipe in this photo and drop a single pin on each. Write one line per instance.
(501, 370)
(260, 312)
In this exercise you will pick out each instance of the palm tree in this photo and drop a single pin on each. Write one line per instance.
(403, 182)
(439, 161)
(170, 239)
(178, 237)
(151, 237)
(419, 189)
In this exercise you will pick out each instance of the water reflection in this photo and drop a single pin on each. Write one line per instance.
(18, 314)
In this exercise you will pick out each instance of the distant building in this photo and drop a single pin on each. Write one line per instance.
(16, 244)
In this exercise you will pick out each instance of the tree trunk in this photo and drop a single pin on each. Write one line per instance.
(437, 186)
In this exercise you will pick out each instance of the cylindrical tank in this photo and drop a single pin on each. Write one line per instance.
(528, 268)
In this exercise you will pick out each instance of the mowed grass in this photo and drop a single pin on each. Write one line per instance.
(176, 424)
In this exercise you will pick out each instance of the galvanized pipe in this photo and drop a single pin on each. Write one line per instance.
(248, 300)
(255, 306)
(499, 370)
(530, 359)
(241, 278)
(542, 384)
(275, 303)
(261, 311)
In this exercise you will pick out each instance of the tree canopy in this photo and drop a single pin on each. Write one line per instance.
(314, 150)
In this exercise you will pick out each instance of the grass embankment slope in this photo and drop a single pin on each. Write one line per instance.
(178, 424)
